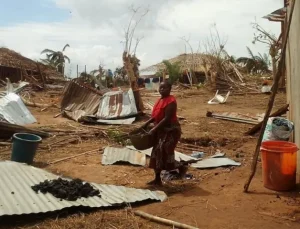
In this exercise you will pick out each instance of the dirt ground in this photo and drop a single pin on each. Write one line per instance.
(213, 199)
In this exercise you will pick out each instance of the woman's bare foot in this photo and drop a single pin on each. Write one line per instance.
(155, 182)
(182, 171)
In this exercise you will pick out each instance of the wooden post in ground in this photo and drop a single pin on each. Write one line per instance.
(271, 102)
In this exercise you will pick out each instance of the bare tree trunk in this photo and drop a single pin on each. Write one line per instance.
(60, 69)
(133, 80)
(274, 66)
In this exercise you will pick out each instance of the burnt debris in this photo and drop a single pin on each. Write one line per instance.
(67, 189)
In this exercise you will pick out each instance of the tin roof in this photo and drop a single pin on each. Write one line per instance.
(214, 163)
(113, 155)
(178, 156)
(17, 196)
(79, 101)
(117, 104)
(13, 110)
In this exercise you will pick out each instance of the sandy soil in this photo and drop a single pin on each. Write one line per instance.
(214, 199)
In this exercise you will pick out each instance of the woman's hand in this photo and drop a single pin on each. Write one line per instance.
(144, 126)
(152, 131)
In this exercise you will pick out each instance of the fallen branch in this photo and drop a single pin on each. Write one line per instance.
(9, 129)
(57, 115)
(39, 105)
(279, 112)
(74, 156)
(163, 221)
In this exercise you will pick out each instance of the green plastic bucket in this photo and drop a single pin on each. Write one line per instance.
(24, 147)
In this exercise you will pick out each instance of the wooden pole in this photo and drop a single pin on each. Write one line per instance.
(271, 102)
(77, 70)
(74, 156)
(163, 221)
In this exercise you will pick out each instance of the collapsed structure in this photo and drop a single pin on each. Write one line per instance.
(17, 68)
(220, 72)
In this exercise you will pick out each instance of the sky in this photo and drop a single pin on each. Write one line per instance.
(95, 29)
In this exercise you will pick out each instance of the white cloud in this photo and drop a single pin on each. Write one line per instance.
(95, 29)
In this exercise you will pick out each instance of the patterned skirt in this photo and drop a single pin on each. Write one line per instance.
(163, 152)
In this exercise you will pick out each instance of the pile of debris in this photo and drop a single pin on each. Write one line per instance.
(82, 103)
(222, 74)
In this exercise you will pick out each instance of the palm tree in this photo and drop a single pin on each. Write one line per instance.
(255, 64)
(173, 70)
(48, 61)
(57, 57)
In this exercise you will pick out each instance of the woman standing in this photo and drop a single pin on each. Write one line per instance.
(166, 133)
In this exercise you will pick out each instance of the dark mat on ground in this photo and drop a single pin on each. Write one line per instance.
(67, 189)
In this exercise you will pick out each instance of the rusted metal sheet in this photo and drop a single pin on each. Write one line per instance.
(79, 101)
(113, 155)
(117, 105)
(18, 198)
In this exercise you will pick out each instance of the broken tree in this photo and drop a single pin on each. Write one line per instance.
(131, 62)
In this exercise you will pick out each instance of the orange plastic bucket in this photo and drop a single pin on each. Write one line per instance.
(279, 163)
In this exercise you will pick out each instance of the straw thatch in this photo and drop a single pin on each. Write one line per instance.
(186, 61)
(13, 65)
(223, 74)
(12, 59)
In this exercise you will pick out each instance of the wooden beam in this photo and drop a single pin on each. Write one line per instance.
(279, 112)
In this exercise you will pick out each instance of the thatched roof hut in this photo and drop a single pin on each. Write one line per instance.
(223, 74)
(17, 67)
(186, 61)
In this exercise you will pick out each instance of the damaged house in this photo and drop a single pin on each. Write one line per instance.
(221, 73)
(17, 68)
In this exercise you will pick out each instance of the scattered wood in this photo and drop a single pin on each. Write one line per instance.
(163, 221)
(74, 156)
(277, 216)
(57, 115)
(60, 142)
(8, 129)
(184, 85)
(279, 112)
(39, 105)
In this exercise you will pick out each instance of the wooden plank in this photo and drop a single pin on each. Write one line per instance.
(8, 129)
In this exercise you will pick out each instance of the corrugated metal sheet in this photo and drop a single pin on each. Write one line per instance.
(18, 198)
(117, 104)
(112, 155)
(13, 110)
(178, 156)
(13, 88)
(79, 101)
(214, 163)
(127, 121)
